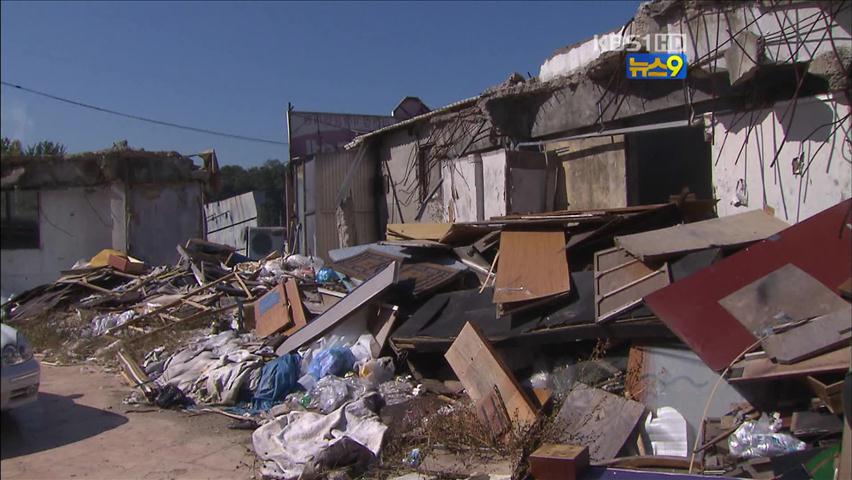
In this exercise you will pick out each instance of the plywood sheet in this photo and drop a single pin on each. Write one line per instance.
(766, 369)
(786, 295)
(598, 419)
(417, 231)
(730, 231)
(820, 246)
(297, 310)
(532, 264)
(271, 313)
(480, 370)
(341, 310)
(819, 335)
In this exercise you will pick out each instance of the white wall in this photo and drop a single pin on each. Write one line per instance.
(459, 186)
(745, 143)
(74, 223)
(162, 217)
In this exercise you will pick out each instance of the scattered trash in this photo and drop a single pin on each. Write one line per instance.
(413, 458)
(760, 438)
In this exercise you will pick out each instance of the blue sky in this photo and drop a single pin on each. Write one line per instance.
(234, 66)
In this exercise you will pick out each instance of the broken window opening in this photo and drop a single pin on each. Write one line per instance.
(20, 213)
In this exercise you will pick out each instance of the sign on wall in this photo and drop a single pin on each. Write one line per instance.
(315, 132)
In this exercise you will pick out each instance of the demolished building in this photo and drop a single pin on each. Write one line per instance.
(58, 210)
(762, 121)
(575, 276)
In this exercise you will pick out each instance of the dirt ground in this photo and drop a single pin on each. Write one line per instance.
(80, 429)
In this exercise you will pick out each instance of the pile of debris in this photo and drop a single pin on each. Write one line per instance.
(571, 344)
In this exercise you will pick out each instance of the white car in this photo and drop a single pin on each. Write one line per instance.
(20, 371)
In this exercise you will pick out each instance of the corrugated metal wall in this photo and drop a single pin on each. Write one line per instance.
(331, 169)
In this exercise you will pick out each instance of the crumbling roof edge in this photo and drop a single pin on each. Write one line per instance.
(453, 106)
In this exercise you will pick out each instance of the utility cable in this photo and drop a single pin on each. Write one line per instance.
(144, 119)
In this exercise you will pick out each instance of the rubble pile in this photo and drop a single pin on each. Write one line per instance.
(627, 342)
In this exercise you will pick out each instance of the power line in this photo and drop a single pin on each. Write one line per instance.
(144, 119)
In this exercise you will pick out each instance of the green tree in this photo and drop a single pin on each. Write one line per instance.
(267, 179)
(46, 148)
(11, 147)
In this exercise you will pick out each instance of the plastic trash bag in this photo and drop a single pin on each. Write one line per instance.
(329, 393)
(278, 378)
(333, 361)
(758, 439)
(376, 371)
(102, 323)
(297, 261)
(326, 275)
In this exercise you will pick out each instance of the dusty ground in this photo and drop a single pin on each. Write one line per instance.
(80, 429)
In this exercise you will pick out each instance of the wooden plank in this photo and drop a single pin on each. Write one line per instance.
(341, 310)
(816, 336)
(730, 231)
(810, 424)
(830, 394)
(491, 411)
(271, 314)
(297, 310)
(533, 264)
(481, 370)
(619, 287)
(382, 325)
(417, 231)
(766, 369)
(785, 295)
(598, 419)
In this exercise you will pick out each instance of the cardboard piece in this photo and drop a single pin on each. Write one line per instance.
(126, 264)
(481, 370)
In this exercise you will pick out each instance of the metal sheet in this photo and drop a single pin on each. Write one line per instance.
(820, 245)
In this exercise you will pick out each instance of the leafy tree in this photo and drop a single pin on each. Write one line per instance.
(46, 148)
(40, 149)
(11, 147)
(267, 178)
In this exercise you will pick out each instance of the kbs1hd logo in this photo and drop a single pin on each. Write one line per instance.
(667, 62)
